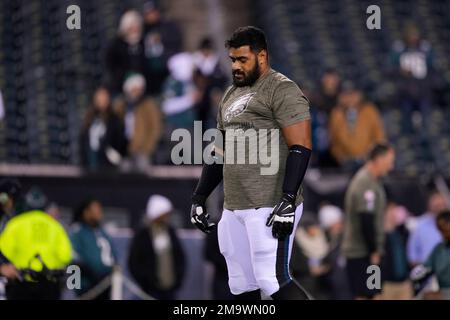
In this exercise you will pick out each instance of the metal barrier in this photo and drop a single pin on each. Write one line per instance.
(117, 280)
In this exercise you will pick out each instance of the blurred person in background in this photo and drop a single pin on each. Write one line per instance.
(53, 210)
(10, 192)
(336, 279)
(412, 61)
(180, 94)
(365, 203)
(156, 259)
(102, 139)
(162, 39)
(355, 126)
(38, 244)
(210, 80)
(220, 288)
(426, 235)
(394, 265)
(93, 248)
(179, 99)
(324, 100)
(307, 262)
(126, 52)
(438, 263)
(329, 88)
(142, 121)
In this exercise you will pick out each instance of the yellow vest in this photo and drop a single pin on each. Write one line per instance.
(36, 233)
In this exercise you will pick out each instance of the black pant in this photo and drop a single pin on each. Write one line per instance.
(42, 290)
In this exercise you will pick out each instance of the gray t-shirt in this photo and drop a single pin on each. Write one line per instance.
(364, 194)
(252, 117)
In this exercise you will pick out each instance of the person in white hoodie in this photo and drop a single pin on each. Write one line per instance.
(156, 258)
(180, 94)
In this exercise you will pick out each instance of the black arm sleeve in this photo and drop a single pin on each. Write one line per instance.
(212, 175)
(368, 230)
(296, 165)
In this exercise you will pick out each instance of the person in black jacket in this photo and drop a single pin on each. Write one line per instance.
(102, 136)
(157, 260)
(162, 39)
(210, 80)
(125, 54)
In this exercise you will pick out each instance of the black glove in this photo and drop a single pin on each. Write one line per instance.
(282, 217)
(199, 216)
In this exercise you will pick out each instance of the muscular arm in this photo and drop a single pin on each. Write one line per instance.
(298, 133)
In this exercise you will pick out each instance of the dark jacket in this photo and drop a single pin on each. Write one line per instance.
(114, 137)
(395, 265)
(170, 42)
(142, 261)
(122, 59)
(336, 280)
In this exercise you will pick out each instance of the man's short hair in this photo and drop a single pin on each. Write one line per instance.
(378, 150)
(248, 36)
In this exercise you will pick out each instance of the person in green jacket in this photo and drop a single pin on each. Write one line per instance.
(439, 260)
(93, 248)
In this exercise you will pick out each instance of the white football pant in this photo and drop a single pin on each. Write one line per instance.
(255, 259)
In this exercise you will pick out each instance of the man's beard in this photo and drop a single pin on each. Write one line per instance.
(248, 79)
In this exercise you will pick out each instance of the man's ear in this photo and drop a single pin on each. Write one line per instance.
(262, 56)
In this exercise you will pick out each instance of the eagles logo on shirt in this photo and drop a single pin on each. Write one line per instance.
(238, 106)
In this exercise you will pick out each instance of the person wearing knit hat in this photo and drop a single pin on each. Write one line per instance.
(142, 122)
(134, 85)
(180, 94)
(126, 52)
(156, 259)
(331, 219)
(329, 216)
(130, 27)
(158, 206)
